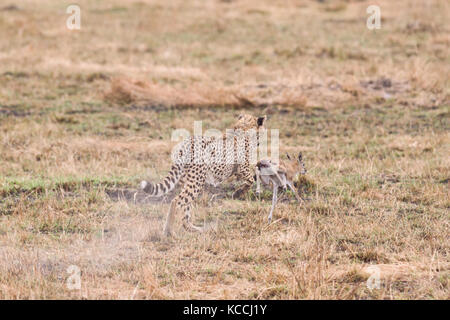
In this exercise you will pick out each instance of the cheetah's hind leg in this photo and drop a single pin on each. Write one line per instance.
(170, 219)
(187, 223)
(195, 182)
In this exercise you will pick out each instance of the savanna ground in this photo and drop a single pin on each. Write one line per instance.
(86, 114)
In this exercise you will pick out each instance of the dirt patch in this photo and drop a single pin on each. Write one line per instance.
(139, 197)
(420, 26)
(388, 86)
(136, 196)
(13, 111)
(10, 7)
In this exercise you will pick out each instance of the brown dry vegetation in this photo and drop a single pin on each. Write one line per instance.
(85, 115)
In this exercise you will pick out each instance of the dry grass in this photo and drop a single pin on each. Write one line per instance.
(126, 91)
(85, 115)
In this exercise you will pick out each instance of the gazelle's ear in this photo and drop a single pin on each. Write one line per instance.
(261, 120)
(288, 156)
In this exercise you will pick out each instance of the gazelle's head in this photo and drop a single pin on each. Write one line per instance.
(300, 162)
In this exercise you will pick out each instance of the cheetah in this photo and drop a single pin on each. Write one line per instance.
(201, 160)
(280, 175)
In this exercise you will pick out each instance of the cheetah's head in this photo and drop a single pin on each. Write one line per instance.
(247, 122)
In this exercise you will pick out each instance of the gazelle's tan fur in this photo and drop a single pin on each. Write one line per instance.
(278, 175)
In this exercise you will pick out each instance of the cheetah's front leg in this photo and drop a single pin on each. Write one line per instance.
(247, 175)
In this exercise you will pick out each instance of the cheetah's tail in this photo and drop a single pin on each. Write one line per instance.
(167, 185)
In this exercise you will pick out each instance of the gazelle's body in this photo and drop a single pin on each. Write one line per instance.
(276, 174)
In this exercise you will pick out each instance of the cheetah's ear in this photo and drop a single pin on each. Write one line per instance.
(261, 120)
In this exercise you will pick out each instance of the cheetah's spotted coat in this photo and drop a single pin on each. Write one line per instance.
(199, 160)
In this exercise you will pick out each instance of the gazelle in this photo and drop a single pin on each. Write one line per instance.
(280, 175)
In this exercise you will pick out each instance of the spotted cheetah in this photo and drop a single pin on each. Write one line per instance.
(201, 160)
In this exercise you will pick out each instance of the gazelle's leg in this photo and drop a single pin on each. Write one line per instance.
(294, 190)
(283, 181)
(274, 200)
(258, 183)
